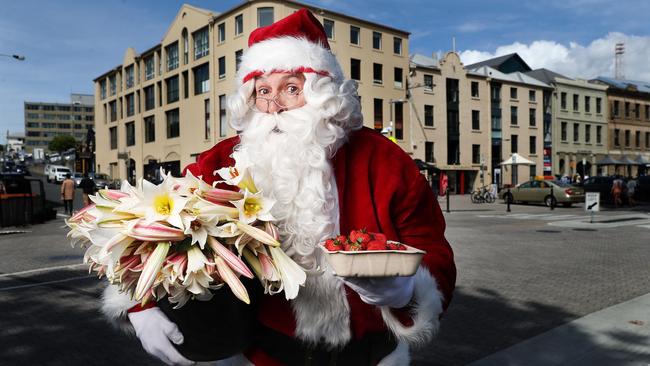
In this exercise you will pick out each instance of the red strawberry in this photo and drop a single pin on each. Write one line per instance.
(352, 247)
(401, 247)
(379, 237)
(341, 239)
(392, 245)
(360, 236)
(354, 235)
(376, 245)
(332, 245)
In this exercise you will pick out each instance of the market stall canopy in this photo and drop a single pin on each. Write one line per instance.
(626, 161)
(608, 160)
(640, 160)
(517, 159)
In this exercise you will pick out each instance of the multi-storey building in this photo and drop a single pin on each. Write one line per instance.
(579, 124)
(164, 106)
(629, 124)
(450, 117)
(43, 121)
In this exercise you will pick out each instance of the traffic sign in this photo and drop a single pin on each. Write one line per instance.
(592, 201)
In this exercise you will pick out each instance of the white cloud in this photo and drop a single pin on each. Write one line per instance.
(576, 60)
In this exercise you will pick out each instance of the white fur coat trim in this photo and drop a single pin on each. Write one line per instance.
(115, 305)
(425, 311)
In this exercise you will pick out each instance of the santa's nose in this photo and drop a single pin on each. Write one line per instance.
(275, 108)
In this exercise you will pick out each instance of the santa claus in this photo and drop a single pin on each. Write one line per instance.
(302, 136)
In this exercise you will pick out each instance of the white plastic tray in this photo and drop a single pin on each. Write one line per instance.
(375, 263)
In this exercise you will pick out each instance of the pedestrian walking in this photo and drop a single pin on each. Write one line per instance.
(67, 194)
(617, 191)
(631, 189)
(88, 187)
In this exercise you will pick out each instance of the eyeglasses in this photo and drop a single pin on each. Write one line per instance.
(286, 99)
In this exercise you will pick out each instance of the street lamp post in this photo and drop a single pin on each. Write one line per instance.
(17, 57)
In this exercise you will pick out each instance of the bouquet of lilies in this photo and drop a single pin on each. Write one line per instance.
(183, 238)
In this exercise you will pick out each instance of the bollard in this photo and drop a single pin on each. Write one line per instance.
(508, 200)
(448, 200)
(552, 200)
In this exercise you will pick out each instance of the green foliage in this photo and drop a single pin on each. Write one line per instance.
(62, 142)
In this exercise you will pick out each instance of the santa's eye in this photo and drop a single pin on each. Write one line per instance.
(263, 91)
(292, 90)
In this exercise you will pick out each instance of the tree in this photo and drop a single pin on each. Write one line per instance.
(62, 143)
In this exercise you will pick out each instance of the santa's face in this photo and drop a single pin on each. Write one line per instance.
(278, 92)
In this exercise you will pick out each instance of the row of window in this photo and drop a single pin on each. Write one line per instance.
(49, 134)
(576, 103)
(576, 132)
(31, 142)
(62, 117)
(637, 138)
(377, 73)
(628, 110)
(398, 115)
(355, 37)
(476, 150)
(532, 144)
(172, 124)
(62, 108)
(76, 126)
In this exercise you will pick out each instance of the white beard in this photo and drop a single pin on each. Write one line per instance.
(289, 156)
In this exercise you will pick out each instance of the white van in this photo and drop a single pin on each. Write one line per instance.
(57, 173)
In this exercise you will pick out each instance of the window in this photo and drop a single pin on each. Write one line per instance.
(514, 143)
(354, 35)
(647, 140)
(647, 112)
(627, 137)
(533, 173)
(398, 77)
(617, 135)
(129, 76)
(563, 100)
(238, 55)
(615, 108)
(587, 134)
(377, 73)
(627, 109)
(172, 56)
(222, 115)
(531, 96)
(587, 103)
(113, 136)
(264, 17)
(173, 124)
(599, 132)
(637, 139)
(513, 93)
(428, 115)
(222, 67)
(576, 101)
(32, 124)
(355, 69)
(376, 40)
(239, 24)
(206, 125)
(476, 154)
(113, 84)
(186, 47)
(160, 61)
(102, 89)
(78, 126)
(637, 111)
(476, 120)
(221, 32)
(149, 98)
(397, 45)
(598, 106)
(160, 94)
(532, 145)
(113, 110)
(329, 28)
(149, 71)
(563, 133)
(513, 115)
(379, 114)
(201, 79)
(532, 117)
(130, 105)
(130, 133)
(399, 121)
(172, 89)
(428, 152)
(576, 132)
(201, 44)
(149, 129)
(428, 82)
(474, 89)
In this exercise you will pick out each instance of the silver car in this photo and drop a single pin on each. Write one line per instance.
(539, 191)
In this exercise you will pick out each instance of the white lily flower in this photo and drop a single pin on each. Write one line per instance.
(237, 176)
(293, 276)
(254, 206)
(158, 203)
(197, 279)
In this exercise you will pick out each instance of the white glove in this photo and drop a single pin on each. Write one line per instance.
(394, 292)
(155, 332)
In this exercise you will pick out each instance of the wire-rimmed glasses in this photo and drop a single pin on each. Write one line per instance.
(288, 98)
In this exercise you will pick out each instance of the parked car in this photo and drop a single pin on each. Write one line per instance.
(539, 191)
(77, 177)
(57, 173)
(603, 185)
(102, 181)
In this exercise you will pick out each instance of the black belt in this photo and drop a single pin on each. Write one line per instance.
(369, 350)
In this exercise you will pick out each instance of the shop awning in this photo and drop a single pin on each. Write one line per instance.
(516, 159)
(608, 160)
(626, 161)
(641, 160)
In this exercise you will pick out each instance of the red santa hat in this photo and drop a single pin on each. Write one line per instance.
(297, 43)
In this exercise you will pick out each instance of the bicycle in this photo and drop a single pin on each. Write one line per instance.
(482, 195)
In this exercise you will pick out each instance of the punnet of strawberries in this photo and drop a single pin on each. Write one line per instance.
(361, 240)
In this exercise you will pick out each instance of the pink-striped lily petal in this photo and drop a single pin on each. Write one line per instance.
(111, 194)
(268, 268)
(83, 214)
(154, 231)
(257, 234)
(216, 195)
(231, 259)
(151, 269)
(254, 262)
(231, 279)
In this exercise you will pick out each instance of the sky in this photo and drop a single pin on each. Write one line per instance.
(68, 43)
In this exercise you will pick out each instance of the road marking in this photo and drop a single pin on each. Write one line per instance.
(47, 269)
(44, 283)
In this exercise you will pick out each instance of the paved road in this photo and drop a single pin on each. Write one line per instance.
(517, 278)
